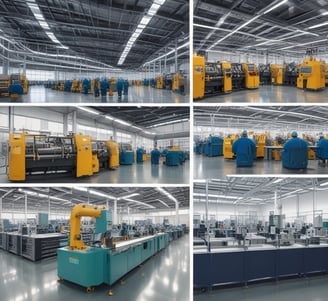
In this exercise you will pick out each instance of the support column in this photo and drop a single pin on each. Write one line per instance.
(114, 134)
(115, 213)
(154, 70)
(11, 119)
(176, 56)
(74, 123)
(314, 203)
(1, 213)
(165, 59)
(49, 207)
(26, 208)
(177, 222)
(298, 205)
(206, 205)
(65, 124)
(129, 216)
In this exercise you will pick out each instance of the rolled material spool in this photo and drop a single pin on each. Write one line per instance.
(48, 151)
(44, 157)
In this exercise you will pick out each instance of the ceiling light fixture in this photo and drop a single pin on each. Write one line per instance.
(140, 27)
(88, 110)
(275, 6)
(318, 25)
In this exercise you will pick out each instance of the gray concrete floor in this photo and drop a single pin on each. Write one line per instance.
(137, 94)
(314, 288)
(144, 173)
(163, 277)
(218, 167)
(269, 94)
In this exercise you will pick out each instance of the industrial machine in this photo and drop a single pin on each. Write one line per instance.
(311, 75)
(238, 76)
(104, 261)
(210, 79)
(252, 79)
(290, 74)
(265, 74)
(30, 154)
(326, 74)
(179, 83)
(277, 74)
(260, 143)
(227, 147)
(139, 155)
(159, 82)
(76, 86)
(126, 154)
(213, 146)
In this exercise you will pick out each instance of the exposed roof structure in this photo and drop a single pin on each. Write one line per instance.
(280, 26)
(254, 190)
(93, 33)
(263, 117)
(62, 199)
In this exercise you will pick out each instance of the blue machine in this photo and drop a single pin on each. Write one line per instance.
(119, 87)
(214, 146)
(173, 158)
(86, 85)
(126, 154)
(90, 266)
(154, 156)
(245, 150)
(15, 89)
(295, 154)
(126, 87)
(103, 86)
(322, 150)
(146, 82)
(67, 86)
(139, 155)
(153, 82)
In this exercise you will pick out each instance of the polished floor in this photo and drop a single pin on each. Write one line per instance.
(270, 94)
(137, 94)
(163, 277)
(218, 167)
(144, 173)
(314, 288)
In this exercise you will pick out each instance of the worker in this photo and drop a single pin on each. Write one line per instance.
(126, 87)
(119, 87)
(322, 150)
(96, 88)
(154, 156)
(85, 86)
(245, 150)
(103, 87)
(295, 153)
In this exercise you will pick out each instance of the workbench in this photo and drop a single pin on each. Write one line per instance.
(224, 266)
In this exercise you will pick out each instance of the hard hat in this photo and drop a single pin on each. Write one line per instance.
(294, 134)
(244, 133)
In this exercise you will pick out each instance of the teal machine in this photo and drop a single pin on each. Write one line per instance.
(126, 154)
(103, 262)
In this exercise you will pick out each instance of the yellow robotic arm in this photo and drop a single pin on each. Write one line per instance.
(76, 242)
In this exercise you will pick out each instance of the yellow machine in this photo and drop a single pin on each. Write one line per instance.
(260, 146)
(326, 74)
(23, 81)
(41, 154)
(114, 154)
(252, 78)
(174, 148)
(311, 75)
(277, 75)
(95, 161)
(61, 86)
(227, 147)
(198, 77)
(159, 82)
(112, 84)
(178, 83)
(76, 242)
(276, 154)
(227, 78)
(75, 86)
(92, 86)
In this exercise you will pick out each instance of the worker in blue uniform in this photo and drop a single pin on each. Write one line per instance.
(154, 156)
(85, 86)
(295, 153)
(126, 87)
(119, 87)
(104, 87)
(245, 150)
(322, 150)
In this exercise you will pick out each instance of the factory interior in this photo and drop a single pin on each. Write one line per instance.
(267, 235)
(94, 51)
(77, 144)
(269, 128)
(82, 243)
(260, 51)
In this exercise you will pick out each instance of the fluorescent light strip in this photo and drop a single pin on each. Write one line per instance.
(275, 6)
(88, 110)
(168, 122)
(304, 44)
(141, 26)
(158, 200)
(169, 195)
(138, 202)
(318, 25)
(128, 196)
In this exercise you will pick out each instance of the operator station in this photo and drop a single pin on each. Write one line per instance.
(110, 145)
(260, 51)
(94, 51)
(82, 243)
(260, 140)
(260, 238)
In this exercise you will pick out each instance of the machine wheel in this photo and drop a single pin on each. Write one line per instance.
(60, 279)
(90, 289)
(110, 293)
